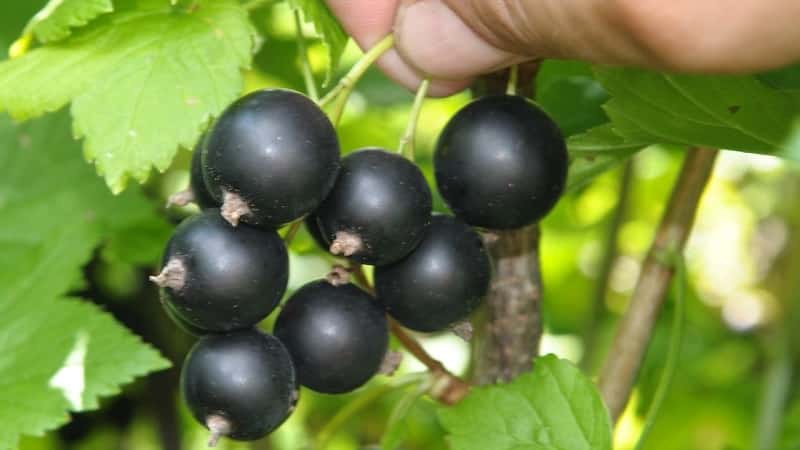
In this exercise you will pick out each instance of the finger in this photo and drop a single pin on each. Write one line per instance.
(434, 40)
(369, 21)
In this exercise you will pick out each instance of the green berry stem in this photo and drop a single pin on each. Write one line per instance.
(406, 146)
(337, 97)
(291, 231)
(305, 64)
(513, 77)
(673, 351)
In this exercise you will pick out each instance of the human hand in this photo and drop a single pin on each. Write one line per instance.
(455, 40)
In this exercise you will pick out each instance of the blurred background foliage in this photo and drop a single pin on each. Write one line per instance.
(740, 351)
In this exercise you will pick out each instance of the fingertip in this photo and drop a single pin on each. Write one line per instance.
(369, 21)
(366, 21)
(403, 74)
(434, 40)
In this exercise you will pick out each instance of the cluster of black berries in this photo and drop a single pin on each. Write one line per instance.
(273, 158)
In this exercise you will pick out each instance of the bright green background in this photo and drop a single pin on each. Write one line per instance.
(164, 75)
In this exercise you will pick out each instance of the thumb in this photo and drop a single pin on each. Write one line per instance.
(445, 42)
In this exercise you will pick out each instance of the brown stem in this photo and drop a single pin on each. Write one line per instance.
(591, 331)
(508, 340)
(448, 388)
(635, 329)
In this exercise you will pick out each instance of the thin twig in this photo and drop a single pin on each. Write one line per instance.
(776, 387)
(305, 65)
(448, 388)
(406, 146)
(635, 329)
(590, 334)
(673, 352)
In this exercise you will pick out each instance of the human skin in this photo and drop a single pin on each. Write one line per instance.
(452, 41)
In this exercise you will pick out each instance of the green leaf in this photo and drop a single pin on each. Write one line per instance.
(728, 112)
(143, 81)
(316, 12)
(554, 407)
(57, 354)
(568, 92)
(596, 151)
(786, 78)
(792, 143)
(57, 19)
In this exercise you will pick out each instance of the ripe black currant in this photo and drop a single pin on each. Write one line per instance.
(198, 191)
(178, 320)
(312, 226)
(501, 163)
(241, 385)
(270, 158)
(219, 278)
(441, 282)
(202, 197)
(378, 209)
(337, 336)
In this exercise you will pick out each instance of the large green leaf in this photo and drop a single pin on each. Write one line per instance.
(57, 19)
(555, 407)
(57, 354)
(728, 112)
(330, 31)
(143, 81)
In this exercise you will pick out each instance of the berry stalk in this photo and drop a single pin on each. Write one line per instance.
(446, 388)
(337, 97)
(305, 64)
(406, 146)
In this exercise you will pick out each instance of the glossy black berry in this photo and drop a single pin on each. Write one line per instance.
(378, 209)
(441, 282)
(200, 193)
(501, 163)
(219, 278)
(241, 385)
(312, 226)
(337, 336)
(271, 158)
(178, 320)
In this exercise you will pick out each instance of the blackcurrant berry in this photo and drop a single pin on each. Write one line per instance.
(241, 385)
(378, 209)
(501, 163)
(270, 158)
(198, 191)
(312, 226)
(178, 320)
(441, 282)
(218, 278)
(202, 197)
(337, 336)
